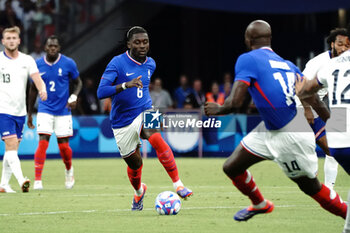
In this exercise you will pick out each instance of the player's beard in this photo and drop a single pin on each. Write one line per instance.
(334, 52)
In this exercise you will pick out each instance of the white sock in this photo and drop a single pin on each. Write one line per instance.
(15, 165)
(330, 171)
(139, 192)
(177, 184)
(347, 220)
(6, 172)
(260, 205)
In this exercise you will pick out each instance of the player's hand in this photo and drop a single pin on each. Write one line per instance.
(136, 82)
(72, 101)
(309, 115)
(211, 109)
(72, 105)
(43, 95)
(30, 122)
(299, 84)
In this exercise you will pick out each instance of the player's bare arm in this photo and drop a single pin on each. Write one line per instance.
(319, 106)
(72, 101)
(40, 86)
(232, 102)
(306, 90)
(308, 112)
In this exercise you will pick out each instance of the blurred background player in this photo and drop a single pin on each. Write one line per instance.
(15, 67)
(337, 41)
(182, 91)
(126, 80)
(334, 76)
(160, 98)
(54, 115)
(277, 137)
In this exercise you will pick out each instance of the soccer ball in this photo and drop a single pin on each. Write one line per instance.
(167, 203)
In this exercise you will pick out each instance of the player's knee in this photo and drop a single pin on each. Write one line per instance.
(229, 169)
(11, 144)
(309, 186)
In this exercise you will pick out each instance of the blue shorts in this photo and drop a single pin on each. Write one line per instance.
(319, 128)
(342, 155)
(11, 126)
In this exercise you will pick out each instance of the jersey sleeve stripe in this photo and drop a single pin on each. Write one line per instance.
(318, 81)
(246, 82)
(9, 136)
(263, 94)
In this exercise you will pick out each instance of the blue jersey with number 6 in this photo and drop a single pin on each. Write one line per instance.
(271, 81)
(129, 103)
(56, 77)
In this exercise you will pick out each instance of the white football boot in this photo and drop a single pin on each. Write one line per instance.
(38, 185)
(69, 178)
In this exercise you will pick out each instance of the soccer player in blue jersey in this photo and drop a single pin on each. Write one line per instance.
(283, 136)
(54, 115)
(126, 80)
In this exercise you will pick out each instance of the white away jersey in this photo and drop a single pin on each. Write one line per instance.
(315, 65)
(14, 75)
(336, 77)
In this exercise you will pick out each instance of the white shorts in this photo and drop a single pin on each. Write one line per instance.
(62, 126)
(293, 151)
(128, 137)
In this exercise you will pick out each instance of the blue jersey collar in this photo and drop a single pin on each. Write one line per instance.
(132, 59)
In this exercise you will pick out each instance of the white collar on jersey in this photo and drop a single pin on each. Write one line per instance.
(132, 59)
(266, 47)
(51, 64)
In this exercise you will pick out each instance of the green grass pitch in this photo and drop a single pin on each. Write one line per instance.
(101, 200)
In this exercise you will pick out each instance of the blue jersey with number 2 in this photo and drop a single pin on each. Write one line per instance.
(271, 81)
(129, 103)
(56, 77)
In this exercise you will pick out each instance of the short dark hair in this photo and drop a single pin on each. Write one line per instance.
(134, 30)
(53, 37)
(334, 33)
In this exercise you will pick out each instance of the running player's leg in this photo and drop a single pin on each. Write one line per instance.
(63, 128)
(45, 127)
(235, 168)
(134, 170)
(300, 163)
(11, 133)
(330, 164)
(347, 220)
(166, 158)
(128, 141)
(327, 198)
(251, 150)
(39, 159)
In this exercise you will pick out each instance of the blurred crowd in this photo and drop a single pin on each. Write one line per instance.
(39, 19)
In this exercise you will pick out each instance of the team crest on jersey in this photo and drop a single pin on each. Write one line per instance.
(59, 71)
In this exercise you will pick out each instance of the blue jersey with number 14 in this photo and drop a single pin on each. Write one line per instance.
(129, 103)
(56, 77)
(271, 81)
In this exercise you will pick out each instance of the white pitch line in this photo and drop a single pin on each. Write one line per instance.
(145, 209)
